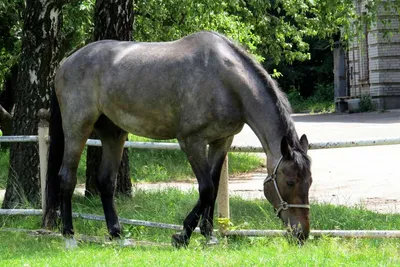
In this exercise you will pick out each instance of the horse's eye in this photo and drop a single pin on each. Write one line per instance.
(290, 183)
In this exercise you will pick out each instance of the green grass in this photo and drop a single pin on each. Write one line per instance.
(171, 206)
(172, 165)
(265, 252)
(309, 106)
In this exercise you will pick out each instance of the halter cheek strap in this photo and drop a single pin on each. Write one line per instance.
(283, 204)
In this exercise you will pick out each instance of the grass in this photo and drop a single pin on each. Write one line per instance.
(266, 252)
(310, 106)
(172, 165)
(154, 165)
(171, 206)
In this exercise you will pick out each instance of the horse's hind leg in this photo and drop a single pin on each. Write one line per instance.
(75, 139)
(216, 154)
(113, 139)
(196, 151)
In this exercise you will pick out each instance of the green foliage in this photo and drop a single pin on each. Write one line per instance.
(323, 92)
(366, 103)
(170, 20)
(274, 31)
(305, 76)
(10, 35)
(321, 101)
(78, 24)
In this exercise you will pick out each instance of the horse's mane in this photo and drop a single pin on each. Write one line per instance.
(282, 105)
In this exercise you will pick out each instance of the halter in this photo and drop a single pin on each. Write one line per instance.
(283, 205)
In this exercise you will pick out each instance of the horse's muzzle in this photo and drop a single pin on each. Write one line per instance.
(298, 228)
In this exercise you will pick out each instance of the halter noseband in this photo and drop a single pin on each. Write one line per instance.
(283, 205)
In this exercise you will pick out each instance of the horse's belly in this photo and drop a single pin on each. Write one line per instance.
(146, 126)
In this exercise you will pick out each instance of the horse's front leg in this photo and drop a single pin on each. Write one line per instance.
(216, 156)
(196, 152)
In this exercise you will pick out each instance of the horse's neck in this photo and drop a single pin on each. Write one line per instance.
(263, 116)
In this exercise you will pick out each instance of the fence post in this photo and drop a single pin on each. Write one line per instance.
(223, 192)
(43, 133)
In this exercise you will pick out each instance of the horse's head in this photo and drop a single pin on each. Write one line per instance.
(287, 187)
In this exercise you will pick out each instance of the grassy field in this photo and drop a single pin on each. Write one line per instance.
(171, 206)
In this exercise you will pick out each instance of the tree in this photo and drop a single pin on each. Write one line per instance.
(113, 20)
(40, 54)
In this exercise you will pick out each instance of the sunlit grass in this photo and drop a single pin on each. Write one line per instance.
(171, 206)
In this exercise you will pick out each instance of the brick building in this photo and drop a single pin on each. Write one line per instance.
(373, 61)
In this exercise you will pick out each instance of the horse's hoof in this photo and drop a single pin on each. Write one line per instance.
(212, 241)
(70, 243)
(179, 241)
(122, 242)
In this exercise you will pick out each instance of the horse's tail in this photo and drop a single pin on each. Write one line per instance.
(55, 157)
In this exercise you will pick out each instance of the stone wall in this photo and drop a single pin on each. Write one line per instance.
(374, 63)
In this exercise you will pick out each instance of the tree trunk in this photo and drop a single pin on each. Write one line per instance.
(39, 58)
(113, 20)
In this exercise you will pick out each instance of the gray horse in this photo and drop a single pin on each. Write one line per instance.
(200, 89)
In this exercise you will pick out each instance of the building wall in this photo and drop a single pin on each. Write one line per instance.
(374, 63)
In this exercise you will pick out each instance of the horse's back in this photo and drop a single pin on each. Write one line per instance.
(146, 87)
(111, 55)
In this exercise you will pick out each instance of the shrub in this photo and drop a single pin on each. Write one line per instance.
(323, 92)
(320, 101)
(366, 103)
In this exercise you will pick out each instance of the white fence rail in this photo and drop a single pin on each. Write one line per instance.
(270, 233)
(246, 149)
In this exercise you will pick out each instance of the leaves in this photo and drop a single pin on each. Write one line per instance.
(272, 30)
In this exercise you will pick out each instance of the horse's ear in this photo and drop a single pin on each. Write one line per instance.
(285, 148)
(304, 143)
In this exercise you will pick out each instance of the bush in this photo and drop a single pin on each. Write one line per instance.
(366, 103)
(320, 101)
(323, 92)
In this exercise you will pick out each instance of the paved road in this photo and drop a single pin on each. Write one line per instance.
(367, 176)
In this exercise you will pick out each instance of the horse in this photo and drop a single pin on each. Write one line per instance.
(201, 90)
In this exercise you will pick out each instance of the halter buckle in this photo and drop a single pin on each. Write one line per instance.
(284, 205)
